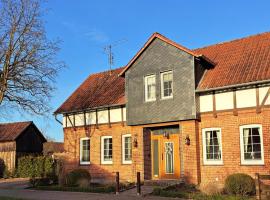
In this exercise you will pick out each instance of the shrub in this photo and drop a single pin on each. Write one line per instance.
(78, 177)
(35, 166)
(165, 193)
(2, 167)
(35, 182)
(240, 184)
(210, 188)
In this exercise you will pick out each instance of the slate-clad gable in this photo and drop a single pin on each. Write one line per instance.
(159, 57)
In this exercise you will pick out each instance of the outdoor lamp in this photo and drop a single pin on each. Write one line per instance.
(135, 142)
(187, 140)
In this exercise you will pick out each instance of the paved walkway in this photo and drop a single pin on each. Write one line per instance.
(145, 190)
(15, 188)
(15, 183)
(55, 195)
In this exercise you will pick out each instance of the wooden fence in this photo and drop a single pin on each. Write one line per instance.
(262, 189)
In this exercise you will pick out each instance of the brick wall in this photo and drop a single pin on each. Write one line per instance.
(103, 171)
(229, 125)
(191, 156)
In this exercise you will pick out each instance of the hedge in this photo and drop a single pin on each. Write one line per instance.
(35, 166)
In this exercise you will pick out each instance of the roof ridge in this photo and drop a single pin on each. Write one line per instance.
(105, 71)
(20, 122)
(233, 40)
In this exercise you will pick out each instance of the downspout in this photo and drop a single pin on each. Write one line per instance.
(55, 117)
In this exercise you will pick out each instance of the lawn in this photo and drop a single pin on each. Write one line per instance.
(191, 192)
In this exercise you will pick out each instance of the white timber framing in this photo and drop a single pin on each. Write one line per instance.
(235, 99)
(106, 115)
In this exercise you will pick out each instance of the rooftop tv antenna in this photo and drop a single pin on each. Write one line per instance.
(108, 50)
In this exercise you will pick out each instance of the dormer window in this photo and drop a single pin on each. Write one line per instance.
(166, 85)
(150, 87)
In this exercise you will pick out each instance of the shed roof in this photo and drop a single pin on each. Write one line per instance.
(11, 131)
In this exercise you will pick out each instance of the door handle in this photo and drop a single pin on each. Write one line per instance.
(162, 156)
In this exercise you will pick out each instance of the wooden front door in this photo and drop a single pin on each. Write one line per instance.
(165, 157)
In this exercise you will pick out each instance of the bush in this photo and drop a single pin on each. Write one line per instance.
(211, 188)
(164, 193)
(35, 182)
(78, 177)
(35, 166)
(240, 184)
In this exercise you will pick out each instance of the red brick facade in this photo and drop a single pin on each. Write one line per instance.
(229, 125)
(191, 156)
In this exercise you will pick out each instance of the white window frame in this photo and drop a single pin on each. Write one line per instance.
(123, 149)
(81, 149)
(105, 162)
(205, 160)
(251, 162)
(146, 88)
(162, 84)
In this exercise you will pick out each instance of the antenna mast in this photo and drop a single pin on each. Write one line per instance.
(108, 50)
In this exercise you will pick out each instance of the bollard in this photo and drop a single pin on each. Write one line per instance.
(138, 183)
(117, 183)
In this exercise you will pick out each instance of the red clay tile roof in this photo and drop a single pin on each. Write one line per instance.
(98, 90)
(239, 61)
(10, 131)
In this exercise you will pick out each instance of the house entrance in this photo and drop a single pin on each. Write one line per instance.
(165, 153)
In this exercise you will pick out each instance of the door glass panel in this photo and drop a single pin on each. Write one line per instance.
(156, 159)
(169, 157)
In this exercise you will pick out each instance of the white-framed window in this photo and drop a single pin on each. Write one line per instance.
(85, 151)
(106, 150)
(126, 149)
(251, 142)
(212, 146)
(166, 84)
(150, 87)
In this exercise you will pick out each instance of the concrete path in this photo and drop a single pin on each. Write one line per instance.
(145, 190)
(55, 195)
(15, 183)
(16, 188)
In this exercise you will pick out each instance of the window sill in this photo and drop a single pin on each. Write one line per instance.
(252, 164)
(213, 163)
(166, 98)
(84, 163)
(106, 163)
(149, 101)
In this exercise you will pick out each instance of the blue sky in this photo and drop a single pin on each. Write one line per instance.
(85, 27)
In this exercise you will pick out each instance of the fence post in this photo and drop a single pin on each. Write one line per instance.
(138, 183)
(117, 183)
(258, 186)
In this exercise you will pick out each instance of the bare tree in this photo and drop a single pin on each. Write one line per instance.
(28, 63)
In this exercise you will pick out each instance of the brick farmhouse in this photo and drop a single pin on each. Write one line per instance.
(174, 113)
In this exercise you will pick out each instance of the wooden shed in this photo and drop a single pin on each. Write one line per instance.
(19, 138)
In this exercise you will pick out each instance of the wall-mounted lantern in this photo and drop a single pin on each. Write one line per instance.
(135, 141)
(166, 135)
(187, 140)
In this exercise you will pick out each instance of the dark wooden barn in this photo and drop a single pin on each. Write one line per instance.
(19, 138)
